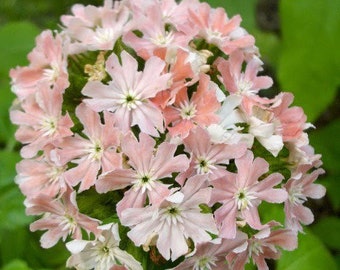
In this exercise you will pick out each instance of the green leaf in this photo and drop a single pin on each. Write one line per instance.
(38, 257)
(271, 211)
(245, 8)
(17, 40)
(309, 64)
(311, 254)
(8, 161)
(324, 141)
(16, 265)
(328, 229)
(12, 211)
(13, 244)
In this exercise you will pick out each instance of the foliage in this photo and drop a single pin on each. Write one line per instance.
(303, 57)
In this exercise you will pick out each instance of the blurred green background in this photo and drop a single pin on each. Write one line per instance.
(299, 43)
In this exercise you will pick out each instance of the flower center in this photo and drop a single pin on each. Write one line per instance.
(173, 211)
(187, 111)
(49, 126)
(162, 40)
(105, 249)
(296, 196)
(96, 151)
(255, 248)
(51, 73)
(172, 214)
(244, 87)
(145, 181)
(244, 199)
(130, 101)
(55, 173)
(205, 263)
(214, 35)
(203, 165)
(69, 224)
(104, 35)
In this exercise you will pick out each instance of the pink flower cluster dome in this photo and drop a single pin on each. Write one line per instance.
(145, 141)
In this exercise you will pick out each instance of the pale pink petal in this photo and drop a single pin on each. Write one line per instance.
(117, 179)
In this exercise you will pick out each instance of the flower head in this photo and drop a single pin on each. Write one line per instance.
(128, 93)
(41, 121)
(241, 193)
(103, 253)
(171, 223)
(97, 152)
(148, 166)
(61, 218)
(148, 116)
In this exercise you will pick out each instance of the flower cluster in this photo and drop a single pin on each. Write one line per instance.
(147, 142)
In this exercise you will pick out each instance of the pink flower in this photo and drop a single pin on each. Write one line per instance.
(42, 175)
(61, 218)
(181, 70)
(216, 28)
(265, 244)
(301, 153)
(299, 188)
(200, 110)
(241, 193)
(149, 165)
(266, 128)
(292, 119)
(103, 253)
(95, 28)
(208, 158)
(247, 83)
(227, 130)
(40, 120)
(47, 65)
(96, 152)
(174, 221)
(155, 33)
(172, 13)
(129, 93)
(212, 255)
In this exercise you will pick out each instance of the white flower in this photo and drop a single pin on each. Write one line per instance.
(102, 253)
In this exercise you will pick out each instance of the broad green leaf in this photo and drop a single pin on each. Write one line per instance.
(38, 257)
(17, 40)
(7, 129)
(337, 259)
(8, 160)
(13, 244)
(310, 63)
(311, 254)
(269, 47)
(332, 185)
(328, 229)
(271, 211)
(12, 211)
(326, 143)
(245, 8)
(16, 265)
